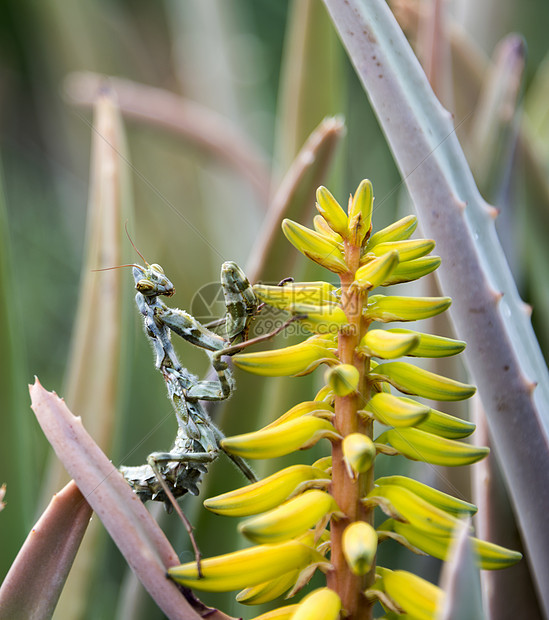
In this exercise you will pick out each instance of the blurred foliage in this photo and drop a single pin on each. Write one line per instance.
(192, 211)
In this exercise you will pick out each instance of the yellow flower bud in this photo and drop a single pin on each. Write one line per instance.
(342, 379)
(359, 452)
(359, 546)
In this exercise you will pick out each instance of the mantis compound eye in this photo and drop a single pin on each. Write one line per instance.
(145, 287)
(157, 268)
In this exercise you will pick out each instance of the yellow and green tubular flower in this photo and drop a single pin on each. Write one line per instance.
(376, 271)
(397, 231)
(267, 493)
(326, 319)
(292, 293)
(322, 604)
(429, 345)
(291, 519)
(410, 270)
(292, 512)
(403, 505)
(396, 411)
(387, 344)
(282, 613)
(405, 250)
(445, 502)
(299, 359)
(316, 246)
(413, 380)
(489, 555)
(417, 445)
(331, 212)
(268, 443)
(386, 308)
(414, 596)
(248, 567)
(320, 409)
(361, 206)
(268, 591)
(445, 425)
(321, 227)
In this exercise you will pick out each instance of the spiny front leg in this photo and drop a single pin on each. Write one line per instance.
(190, 329)
(240, 301)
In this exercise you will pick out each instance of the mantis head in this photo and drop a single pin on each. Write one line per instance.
(150, 281)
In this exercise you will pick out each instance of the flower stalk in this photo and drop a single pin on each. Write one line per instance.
(346, 490)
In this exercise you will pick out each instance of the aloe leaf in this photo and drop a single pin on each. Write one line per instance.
(511, 591)
(34, 582)
(503, 353)
(94, 371)
(460, 580)
(179, 116)
(132, 528)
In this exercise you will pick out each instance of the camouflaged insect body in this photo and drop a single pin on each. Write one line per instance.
(197, 440)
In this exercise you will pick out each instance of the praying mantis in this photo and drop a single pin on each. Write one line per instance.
(168, 475)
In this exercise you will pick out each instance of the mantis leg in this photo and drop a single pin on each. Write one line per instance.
(240, 301)
(214, 390)
(186, 326)
(153, 462)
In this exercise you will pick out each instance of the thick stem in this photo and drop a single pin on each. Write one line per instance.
(348, 491)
